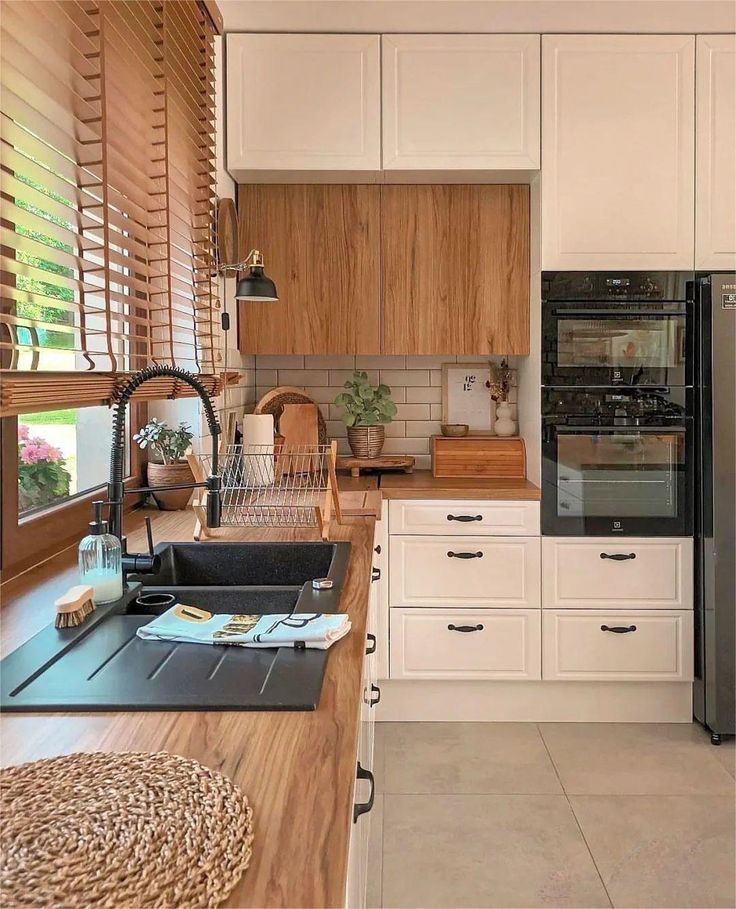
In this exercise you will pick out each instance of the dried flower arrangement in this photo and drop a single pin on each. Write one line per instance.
(499, 383)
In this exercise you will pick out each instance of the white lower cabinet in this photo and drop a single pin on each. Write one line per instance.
(465, 571)
(610, 573)
(465, 644)
(616, 645)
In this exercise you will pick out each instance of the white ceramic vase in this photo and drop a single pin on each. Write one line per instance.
(504, 425)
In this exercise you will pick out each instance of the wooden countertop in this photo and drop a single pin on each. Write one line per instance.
(297, 768)
(422, 485)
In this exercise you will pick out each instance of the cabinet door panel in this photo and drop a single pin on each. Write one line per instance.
(321, 245)
(715, 178)
(302, 103)
(455, 269)
(460, 102)
(618, 151)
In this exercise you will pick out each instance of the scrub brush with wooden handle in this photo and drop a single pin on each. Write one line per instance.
(74, 607)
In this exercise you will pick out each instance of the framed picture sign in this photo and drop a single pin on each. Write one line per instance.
(465, 396)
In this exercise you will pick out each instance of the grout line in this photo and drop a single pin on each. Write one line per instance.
(577, 822)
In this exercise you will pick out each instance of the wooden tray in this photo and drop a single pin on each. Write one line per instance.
(479, 456)
(389, 462)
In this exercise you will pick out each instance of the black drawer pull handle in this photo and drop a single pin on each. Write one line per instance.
(465, 628)
(377, 549)
(619, 629)
(464, 518)
(372, 648)
(464, 555)
(376, 574)
(618, 556)
(365, 807)
(375, 696)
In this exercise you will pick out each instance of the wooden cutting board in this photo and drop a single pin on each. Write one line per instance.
(299, 426)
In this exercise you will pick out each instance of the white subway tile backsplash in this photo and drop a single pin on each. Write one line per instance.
(424, 395)
(267, 361)
(390, 361)
(422, 429)
(266, 377)
(413, 412)
(406, 446)
(339, 377)
(427, 362)
(416, 388)
(405, 377)
(336, 362)
(303, 377)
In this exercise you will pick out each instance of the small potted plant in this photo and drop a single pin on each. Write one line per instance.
(166, 463)
(367, 409)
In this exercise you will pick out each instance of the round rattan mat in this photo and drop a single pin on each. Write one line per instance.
(121, 830)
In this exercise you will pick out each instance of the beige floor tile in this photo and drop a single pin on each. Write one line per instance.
(467, 757)
(635, 759)
(375, 856)
(486, 851)
(674, 851)
(725, 754)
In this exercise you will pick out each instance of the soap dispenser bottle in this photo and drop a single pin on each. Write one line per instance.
(101, 561)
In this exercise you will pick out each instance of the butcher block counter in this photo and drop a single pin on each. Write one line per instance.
(296, 768)
(422, 485)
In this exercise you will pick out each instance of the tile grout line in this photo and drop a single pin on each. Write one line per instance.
(572, 811)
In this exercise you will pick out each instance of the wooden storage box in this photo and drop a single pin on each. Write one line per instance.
(478, 456)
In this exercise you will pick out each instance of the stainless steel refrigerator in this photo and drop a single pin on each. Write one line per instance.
(715, 504)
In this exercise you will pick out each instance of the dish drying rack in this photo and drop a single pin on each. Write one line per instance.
(272, 486)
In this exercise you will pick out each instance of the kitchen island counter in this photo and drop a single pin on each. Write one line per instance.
(296, 768)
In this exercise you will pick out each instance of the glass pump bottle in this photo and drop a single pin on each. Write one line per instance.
(100, 561)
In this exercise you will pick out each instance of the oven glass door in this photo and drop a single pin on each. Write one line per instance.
(607, 346)
(616, 480)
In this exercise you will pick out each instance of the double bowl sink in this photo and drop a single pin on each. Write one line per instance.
(103, 665)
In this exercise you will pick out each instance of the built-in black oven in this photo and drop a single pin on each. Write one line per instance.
(617, 461)
(623, 328)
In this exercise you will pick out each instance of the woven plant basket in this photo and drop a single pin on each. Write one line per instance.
(170, 475)
(366, 441)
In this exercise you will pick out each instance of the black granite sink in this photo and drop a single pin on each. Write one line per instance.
(243, 564)
(103, 665)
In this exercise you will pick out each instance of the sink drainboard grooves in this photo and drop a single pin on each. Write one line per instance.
(112, 656)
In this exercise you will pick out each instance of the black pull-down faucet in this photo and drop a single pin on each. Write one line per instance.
(149, 562)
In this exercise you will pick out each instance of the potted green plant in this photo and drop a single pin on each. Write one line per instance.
(167, 465)
(367, 409)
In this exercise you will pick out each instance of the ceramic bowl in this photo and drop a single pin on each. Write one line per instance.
(454, 430)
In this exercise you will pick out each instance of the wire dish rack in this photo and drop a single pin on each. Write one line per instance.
(273, 486)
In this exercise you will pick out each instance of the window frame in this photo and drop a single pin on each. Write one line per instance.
(26, 541)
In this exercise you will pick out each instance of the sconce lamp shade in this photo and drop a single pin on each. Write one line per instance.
(256, 286)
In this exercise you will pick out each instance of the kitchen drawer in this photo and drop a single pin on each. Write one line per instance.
(658, 645)
(465, 644)
(654, 573)
(459, 517)
(465, 571)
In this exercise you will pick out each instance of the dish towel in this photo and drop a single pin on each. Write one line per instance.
(191, 625)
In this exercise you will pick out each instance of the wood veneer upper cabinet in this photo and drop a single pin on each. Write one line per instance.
(618, 151)
(715, 172)
(322, 248)
(460, 102)
(303, 103)
(455, 269)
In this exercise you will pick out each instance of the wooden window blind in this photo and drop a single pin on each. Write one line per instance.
(108, 159)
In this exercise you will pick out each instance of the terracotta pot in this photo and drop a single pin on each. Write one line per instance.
(168, 475)
(366, 441)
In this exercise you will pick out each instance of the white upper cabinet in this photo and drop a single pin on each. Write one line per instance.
(715, 205)
(460, 102)
(303, 103)
(618, 151)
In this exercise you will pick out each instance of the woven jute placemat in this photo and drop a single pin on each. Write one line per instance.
(120, 830)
